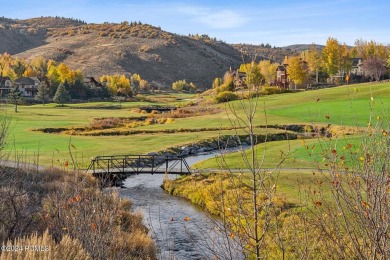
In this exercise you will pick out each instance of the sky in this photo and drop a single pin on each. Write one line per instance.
(279, 23)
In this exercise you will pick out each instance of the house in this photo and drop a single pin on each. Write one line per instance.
(91, 81)
(357, 67)
(239, 78)
(28, 86)
(282, 76)
(5, 85)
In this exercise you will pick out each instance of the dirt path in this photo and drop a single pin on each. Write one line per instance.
(22, 165)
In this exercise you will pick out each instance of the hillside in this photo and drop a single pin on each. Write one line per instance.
(158, 56)
(275, 54)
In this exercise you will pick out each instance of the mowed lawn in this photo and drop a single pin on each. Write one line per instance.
(55, 148)
(347, 105)
(344, 106)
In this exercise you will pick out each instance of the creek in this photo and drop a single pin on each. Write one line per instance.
(180, 229)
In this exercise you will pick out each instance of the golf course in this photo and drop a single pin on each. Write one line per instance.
(345, 108)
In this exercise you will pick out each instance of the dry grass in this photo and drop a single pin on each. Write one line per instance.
(84, 221)
(67, 248)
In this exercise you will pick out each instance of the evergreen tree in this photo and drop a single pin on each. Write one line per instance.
(77, 90)
(15, 97)
(43, 94)
(61, 95)
(19, 68)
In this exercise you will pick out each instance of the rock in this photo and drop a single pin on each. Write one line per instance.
(184, 153)
(214, 146)
(200, 150)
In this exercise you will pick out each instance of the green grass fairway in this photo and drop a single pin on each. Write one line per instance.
(293, 155)
(346, 105)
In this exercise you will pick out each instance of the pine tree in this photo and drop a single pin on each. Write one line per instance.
(15, 97)
(43, 94)
(62, 95)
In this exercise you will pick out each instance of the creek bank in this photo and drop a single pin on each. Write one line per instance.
(204, 146)
(222, 142)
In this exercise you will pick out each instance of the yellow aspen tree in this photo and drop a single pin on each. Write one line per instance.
(63, 71)
(314, 61)
(331, 57)
(296, 70)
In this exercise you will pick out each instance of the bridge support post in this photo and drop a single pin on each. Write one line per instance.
(166, 164)
(138, 163)
(181, 165)
(152, 164)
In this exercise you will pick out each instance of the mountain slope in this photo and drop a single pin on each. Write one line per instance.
(126, 48)
(99, 49)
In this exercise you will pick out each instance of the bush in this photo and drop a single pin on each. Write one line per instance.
(225, 96)
(225, 87)
(84, 221)
(273, 90)
(144, 48)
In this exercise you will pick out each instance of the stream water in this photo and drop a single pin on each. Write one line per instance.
(180, 229)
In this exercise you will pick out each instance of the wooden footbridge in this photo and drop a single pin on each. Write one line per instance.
(138, 164)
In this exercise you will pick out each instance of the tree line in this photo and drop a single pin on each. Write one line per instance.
(58, 82)
(332, 64)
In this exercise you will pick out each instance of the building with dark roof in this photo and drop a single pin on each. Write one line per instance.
(5, 85)
(357, 66)
(28, 86)
(282, 76)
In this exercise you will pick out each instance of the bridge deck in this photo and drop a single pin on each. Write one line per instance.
(138, 164)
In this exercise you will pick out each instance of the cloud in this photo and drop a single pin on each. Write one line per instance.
(216, 19)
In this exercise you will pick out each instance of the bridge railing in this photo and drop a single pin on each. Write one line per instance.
(136, 164)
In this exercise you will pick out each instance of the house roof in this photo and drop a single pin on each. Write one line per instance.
(281, 68)
(92, 80)
(356, 61)
(4, 78)
(24, 81)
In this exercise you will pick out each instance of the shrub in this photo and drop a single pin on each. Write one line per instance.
(169, 120)
(95, 229)
(144, 48)
(229, 86)
(104, 123)
(225, 96)
(273, 90)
